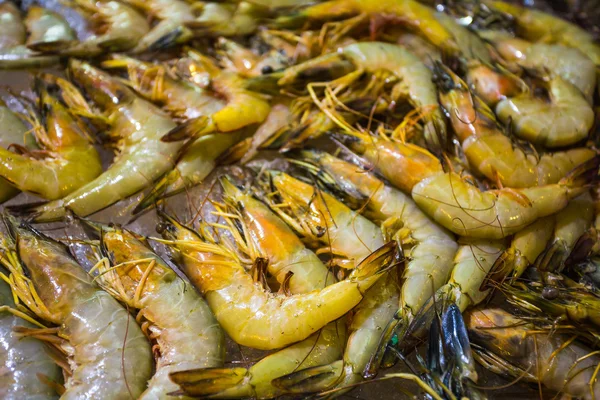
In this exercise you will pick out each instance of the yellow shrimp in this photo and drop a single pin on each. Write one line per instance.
(170, 311)
(108, 355)
(492, 153)
(257, 318)
(67, 160)
(415, 79)
(118, 28)
(13, 133)
(513, 346)
(137, 127)
(418, 16)
(297, 270)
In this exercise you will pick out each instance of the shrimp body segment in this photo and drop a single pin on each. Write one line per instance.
(186, 332)
(13, 133)
(108, 354)
(256, 318)
(24, 359)
(138, 127)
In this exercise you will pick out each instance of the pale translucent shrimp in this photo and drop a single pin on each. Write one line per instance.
(118, 28)
(170, 311)
(322, 219)
(137, 126)
(13, 133)
(418, 16)
(170, 29)
(27, 367)
(492, 153)
(67, 160)
(257, 318)
(266, 235)
(457, 204)
(108, 355)
(47, 30)
(512, 346)
(415, 79)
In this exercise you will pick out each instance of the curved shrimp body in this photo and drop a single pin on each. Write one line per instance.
(428, 248)
(67, 162)
(170, 28)
(565, 120)
(120, 29)
(493, 84)
(492, 153)
(256, 318)
(415, 80)
(24, 359)
(47, 30)
(511, 346)
(323, 219)
(108, 355)
(13, 132)
(142, 157)
(470, 45)
(187, 334)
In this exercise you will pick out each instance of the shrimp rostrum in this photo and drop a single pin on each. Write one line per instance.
(108, 355)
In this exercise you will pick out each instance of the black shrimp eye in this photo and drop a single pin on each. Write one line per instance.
(161, 227)
(550, 293)
(267, 69)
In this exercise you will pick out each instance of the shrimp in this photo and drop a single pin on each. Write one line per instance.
(511, 346)
(254, 317)
(297, 270)
(170, 30)
(470, 45)
(415, 79)
(108, 355)
(142, 157)
(418, 16)
(14, 132)
(170, 311)
(27, 367)
(118, 28)
(493, 84)
(321, 219)
(489, 151)
(67, 160)
(48, 31)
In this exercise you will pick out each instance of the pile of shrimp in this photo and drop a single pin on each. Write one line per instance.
(351, 188)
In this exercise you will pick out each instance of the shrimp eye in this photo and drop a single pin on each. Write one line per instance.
(267, 69)
(161, 227)
(550, 293)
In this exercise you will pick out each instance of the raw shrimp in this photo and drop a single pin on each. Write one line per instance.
(27, 367)
(492, 153)
(493, 83)
(170, 29)
(170, 311)
(415, 79)
(254, 317)
(418, 16)
(321, 219)
(48, 31)
(118, 28)
(513, 347)
(13, 132)
(297, 270)
(67, 160)
(457, 204)
(108, 355)
(142, 158)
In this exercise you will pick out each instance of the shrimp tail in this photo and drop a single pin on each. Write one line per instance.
(583, 175)
(159, 191)
(53, 47)
(178, 35)
(381, 260)
(207, 381)
(190, 129)
(311, 380)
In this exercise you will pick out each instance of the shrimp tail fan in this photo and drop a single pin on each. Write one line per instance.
(381, 260)
(191, 129)
(178, 35)
(311, 380)
(207, 381)
(584, 174)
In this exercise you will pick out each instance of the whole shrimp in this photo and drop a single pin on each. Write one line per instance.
(137, 126)
(415, 79)
(118, 27)
(170, 311)
(253, 316)
(297, 270)
(492, 153)
(514, 347)
(67, 160)
(27, 367)
(14, 132)
(108, 355)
